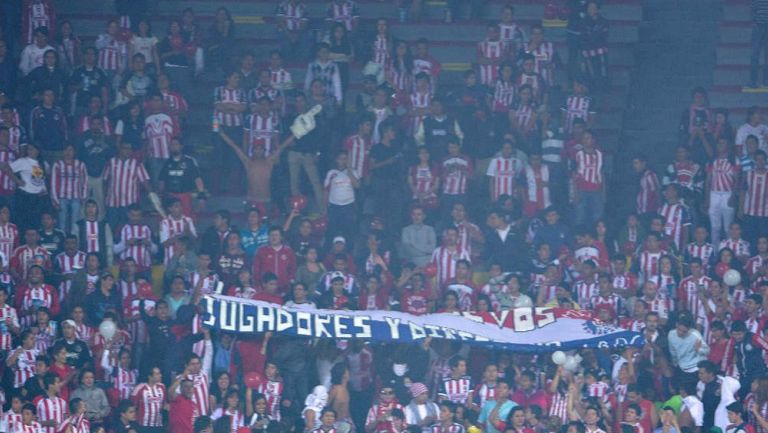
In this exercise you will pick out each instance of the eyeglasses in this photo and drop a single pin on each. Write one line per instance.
(384, 392)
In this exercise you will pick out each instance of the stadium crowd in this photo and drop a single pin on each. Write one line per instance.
(415, 195)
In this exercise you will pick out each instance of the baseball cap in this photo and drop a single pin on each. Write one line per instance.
(339, 239)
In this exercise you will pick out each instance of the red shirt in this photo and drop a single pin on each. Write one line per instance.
(182, 415)
(539, 398)
(281, 262)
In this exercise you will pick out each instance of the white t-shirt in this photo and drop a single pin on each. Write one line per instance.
(144, 46)
(746, 130)
(30, 171)
(32, 57)
(340, 189)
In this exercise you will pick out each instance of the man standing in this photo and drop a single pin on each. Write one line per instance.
(417, 240)
(123, 175)
(276, 258)
(494, 412)
(339, 203)
(180, 178)
(95, 150)
(753, 202)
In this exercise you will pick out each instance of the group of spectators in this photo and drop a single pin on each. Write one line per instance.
(417, 194)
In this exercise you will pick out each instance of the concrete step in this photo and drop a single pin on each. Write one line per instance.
(733, 53)
(731, 97)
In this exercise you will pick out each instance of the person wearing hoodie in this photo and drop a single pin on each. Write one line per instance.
(94, 398)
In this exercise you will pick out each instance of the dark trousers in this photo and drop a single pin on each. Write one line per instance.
(28, 208)
(759, 46)
(341, 222)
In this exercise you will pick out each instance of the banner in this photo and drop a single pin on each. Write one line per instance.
(521, 329)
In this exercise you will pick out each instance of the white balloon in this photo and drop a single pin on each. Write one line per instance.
(107, 329)
(571, 364)
(559, 357)
(732, 277)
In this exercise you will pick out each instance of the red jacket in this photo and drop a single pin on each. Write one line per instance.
(182, 414)
(281, 262)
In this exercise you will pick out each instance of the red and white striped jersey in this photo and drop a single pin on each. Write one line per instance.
(10, 420)
(756, 193)
(223, 94)
(137, 329)
(7, 313)
(676, 219)
(585, 291)
(24, 368)
(76, 424)
(209, 282)
(631, 324)
(37, 14)
(524, 115)
(51, 409)
(45, 336)
(445, 260)
(684, 174)
(558, 406)
(503, 96)
(149, 400)
(84, 332)
(280, 78)
(740, 247)
(7, 185)
(458, 391)
(537, 182)
(399, 78)
(648, 196)
(344, 12)
(359, 149)
(381, 50)
(112, 52)
(292, 13)
(171, 227)
(24, 257)
(688, 292)
(543, 56)
(16, 136)
(159, 129)
(754, 264)
(123, 177)
(550, 292)
(492, 51)
(123, 381)
(589, 170)
(505, 172)
(510, 34)
(139, 252)
(419, 100)
(626, 281)
(128, 288)
(68, 265)
(260, 92)
(453, 428)
(174, 105)
(236, 417)
(273, 390)
(667, 284)
(662, 305)
(201, 395)
(262, 131)
(68, 181)
(535, 81)
(424, 179)
(9, 240)
(723, 174)
(456, 171)
(703, 252)
(484, 392)
(91, 236)
(464, 229)
(34, 427)
(465, 291)
(84, 124)
(577, 107)
(648, 264)
(614, 301)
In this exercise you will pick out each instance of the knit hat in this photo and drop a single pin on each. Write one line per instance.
(418, 388)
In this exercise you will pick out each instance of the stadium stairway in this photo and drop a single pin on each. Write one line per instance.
(675, 53)
(731, 74)
(453, 45)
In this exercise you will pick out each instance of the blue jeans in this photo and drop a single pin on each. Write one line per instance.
(759, 45)
(69, 213)
(590, 207)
